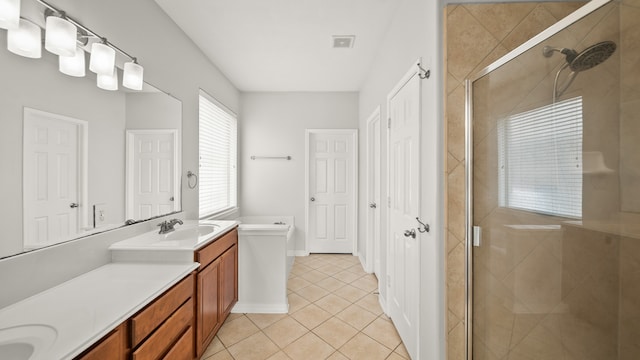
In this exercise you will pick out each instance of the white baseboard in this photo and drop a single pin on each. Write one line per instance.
(383, 304)
(301, 253)
(243, 308)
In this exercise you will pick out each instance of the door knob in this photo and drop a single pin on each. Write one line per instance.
(313, 199)
(373, 205)
(73, 205)
(410, 233)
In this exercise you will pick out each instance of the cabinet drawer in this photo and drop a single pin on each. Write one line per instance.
(167, 334)
(210, 252)
(183, 349)
(143, 323)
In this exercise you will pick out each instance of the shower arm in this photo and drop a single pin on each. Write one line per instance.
(558, 92)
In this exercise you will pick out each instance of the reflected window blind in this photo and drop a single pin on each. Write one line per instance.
(540, 159)
(218, 158)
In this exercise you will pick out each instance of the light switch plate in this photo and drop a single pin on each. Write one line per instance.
(99, 215)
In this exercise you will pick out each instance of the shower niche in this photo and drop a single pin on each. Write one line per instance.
(553, 176)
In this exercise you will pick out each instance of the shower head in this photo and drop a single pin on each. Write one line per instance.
(590, 57)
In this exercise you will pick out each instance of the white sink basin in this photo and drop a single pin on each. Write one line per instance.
(187, 232)
(26, 342)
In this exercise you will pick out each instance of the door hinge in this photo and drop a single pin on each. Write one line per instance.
(388, 123)
(388, 201)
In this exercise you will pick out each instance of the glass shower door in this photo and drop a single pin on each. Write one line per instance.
(556, 194)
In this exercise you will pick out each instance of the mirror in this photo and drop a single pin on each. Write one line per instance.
(114, 182)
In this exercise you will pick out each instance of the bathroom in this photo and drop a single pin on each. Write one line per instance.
(273, 123)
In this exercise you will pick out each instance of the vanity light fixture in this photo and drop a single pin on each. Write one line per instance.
(66, 37)
(9, 14)
(132, 75)
(25, 40)
(60, 36)
(103, 58)
(72, 65)
(108, 82)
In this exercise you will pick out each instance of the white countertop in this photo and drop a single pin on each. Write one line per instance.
(154, 241)
(84, 309)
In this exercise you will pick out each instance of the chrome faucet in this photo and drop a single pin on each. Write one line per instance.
(167, 226)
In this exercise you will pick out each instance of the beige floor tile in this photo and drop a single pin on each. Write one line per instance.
(331, 284)
(362, 347)
(395, 356)
(309, 347)
(297, 283)
(236, 330)
(371, 302)
(256, 347)
(383, 332)
(335, 332)
(346, 276)
(233, 316)
(329, 269)
(296, 303)
(337, 356)
(312, 293)
(333, 304)
(285, 331)
(402, 351)
(356, 316)
(366, 283)
(215, 347)
(350, 293)
(222, 355)
(264, 320)
(357, 269)
(314, 276)
(311, 316)
(280, 355)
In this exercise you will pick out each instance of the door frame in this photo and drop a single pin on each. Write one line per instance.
(131, 135)
(354, 211)
(375, 119)
(413, 71)
(82, 162)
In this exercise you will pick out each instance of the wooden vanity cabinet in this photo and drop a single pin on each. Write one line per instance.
(112, 346)
(217, 287)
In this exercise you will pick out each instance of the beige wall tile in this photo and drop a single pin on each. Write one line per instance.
(500, 20)
(539, 19)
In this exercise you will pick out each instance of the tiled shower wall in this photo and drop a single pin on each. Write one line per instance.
(475, 36)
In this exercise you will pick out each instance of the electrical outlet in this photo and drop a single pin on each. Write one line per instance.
(99, 215)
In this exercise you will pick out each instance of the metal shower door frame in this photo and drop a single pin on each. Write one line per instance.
(572, 18)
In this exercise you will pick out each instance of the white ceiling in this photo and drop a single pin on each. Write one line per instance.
(286, 45)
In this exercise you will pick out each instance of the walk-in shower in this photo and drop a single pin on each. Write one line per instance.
(553, 193)
(592, 56)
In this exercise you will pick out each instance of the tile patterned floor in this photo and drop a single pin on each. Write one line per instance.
(333, 314)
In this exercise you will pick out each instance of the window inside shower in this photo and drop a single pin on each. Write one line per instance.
(554, 185)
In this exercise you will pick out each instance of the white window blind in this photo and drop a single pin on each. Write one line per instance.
(218, 158)
(540, 159)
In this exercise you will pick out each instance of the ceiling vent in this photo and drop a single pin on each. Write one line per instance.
(343, 41)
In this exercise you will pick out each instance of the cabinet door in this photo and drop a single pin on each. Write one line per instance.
(229, 284)
(111, 347)
(208, 319)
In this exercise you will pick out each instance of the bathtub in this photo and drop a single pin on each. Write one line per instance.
(265, 258)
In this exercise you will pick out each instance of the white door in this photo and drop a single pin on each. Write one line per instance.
(331, 188)
(373, 193)
(51, 177)
(404, 205)
(151, 162)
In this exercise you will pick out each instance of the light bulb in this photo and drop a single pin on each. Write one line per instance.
(133, 75)
(26, 40)
(9, 14)
(60, 36)
(103, 59)
(108, 82)
(73, 65)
